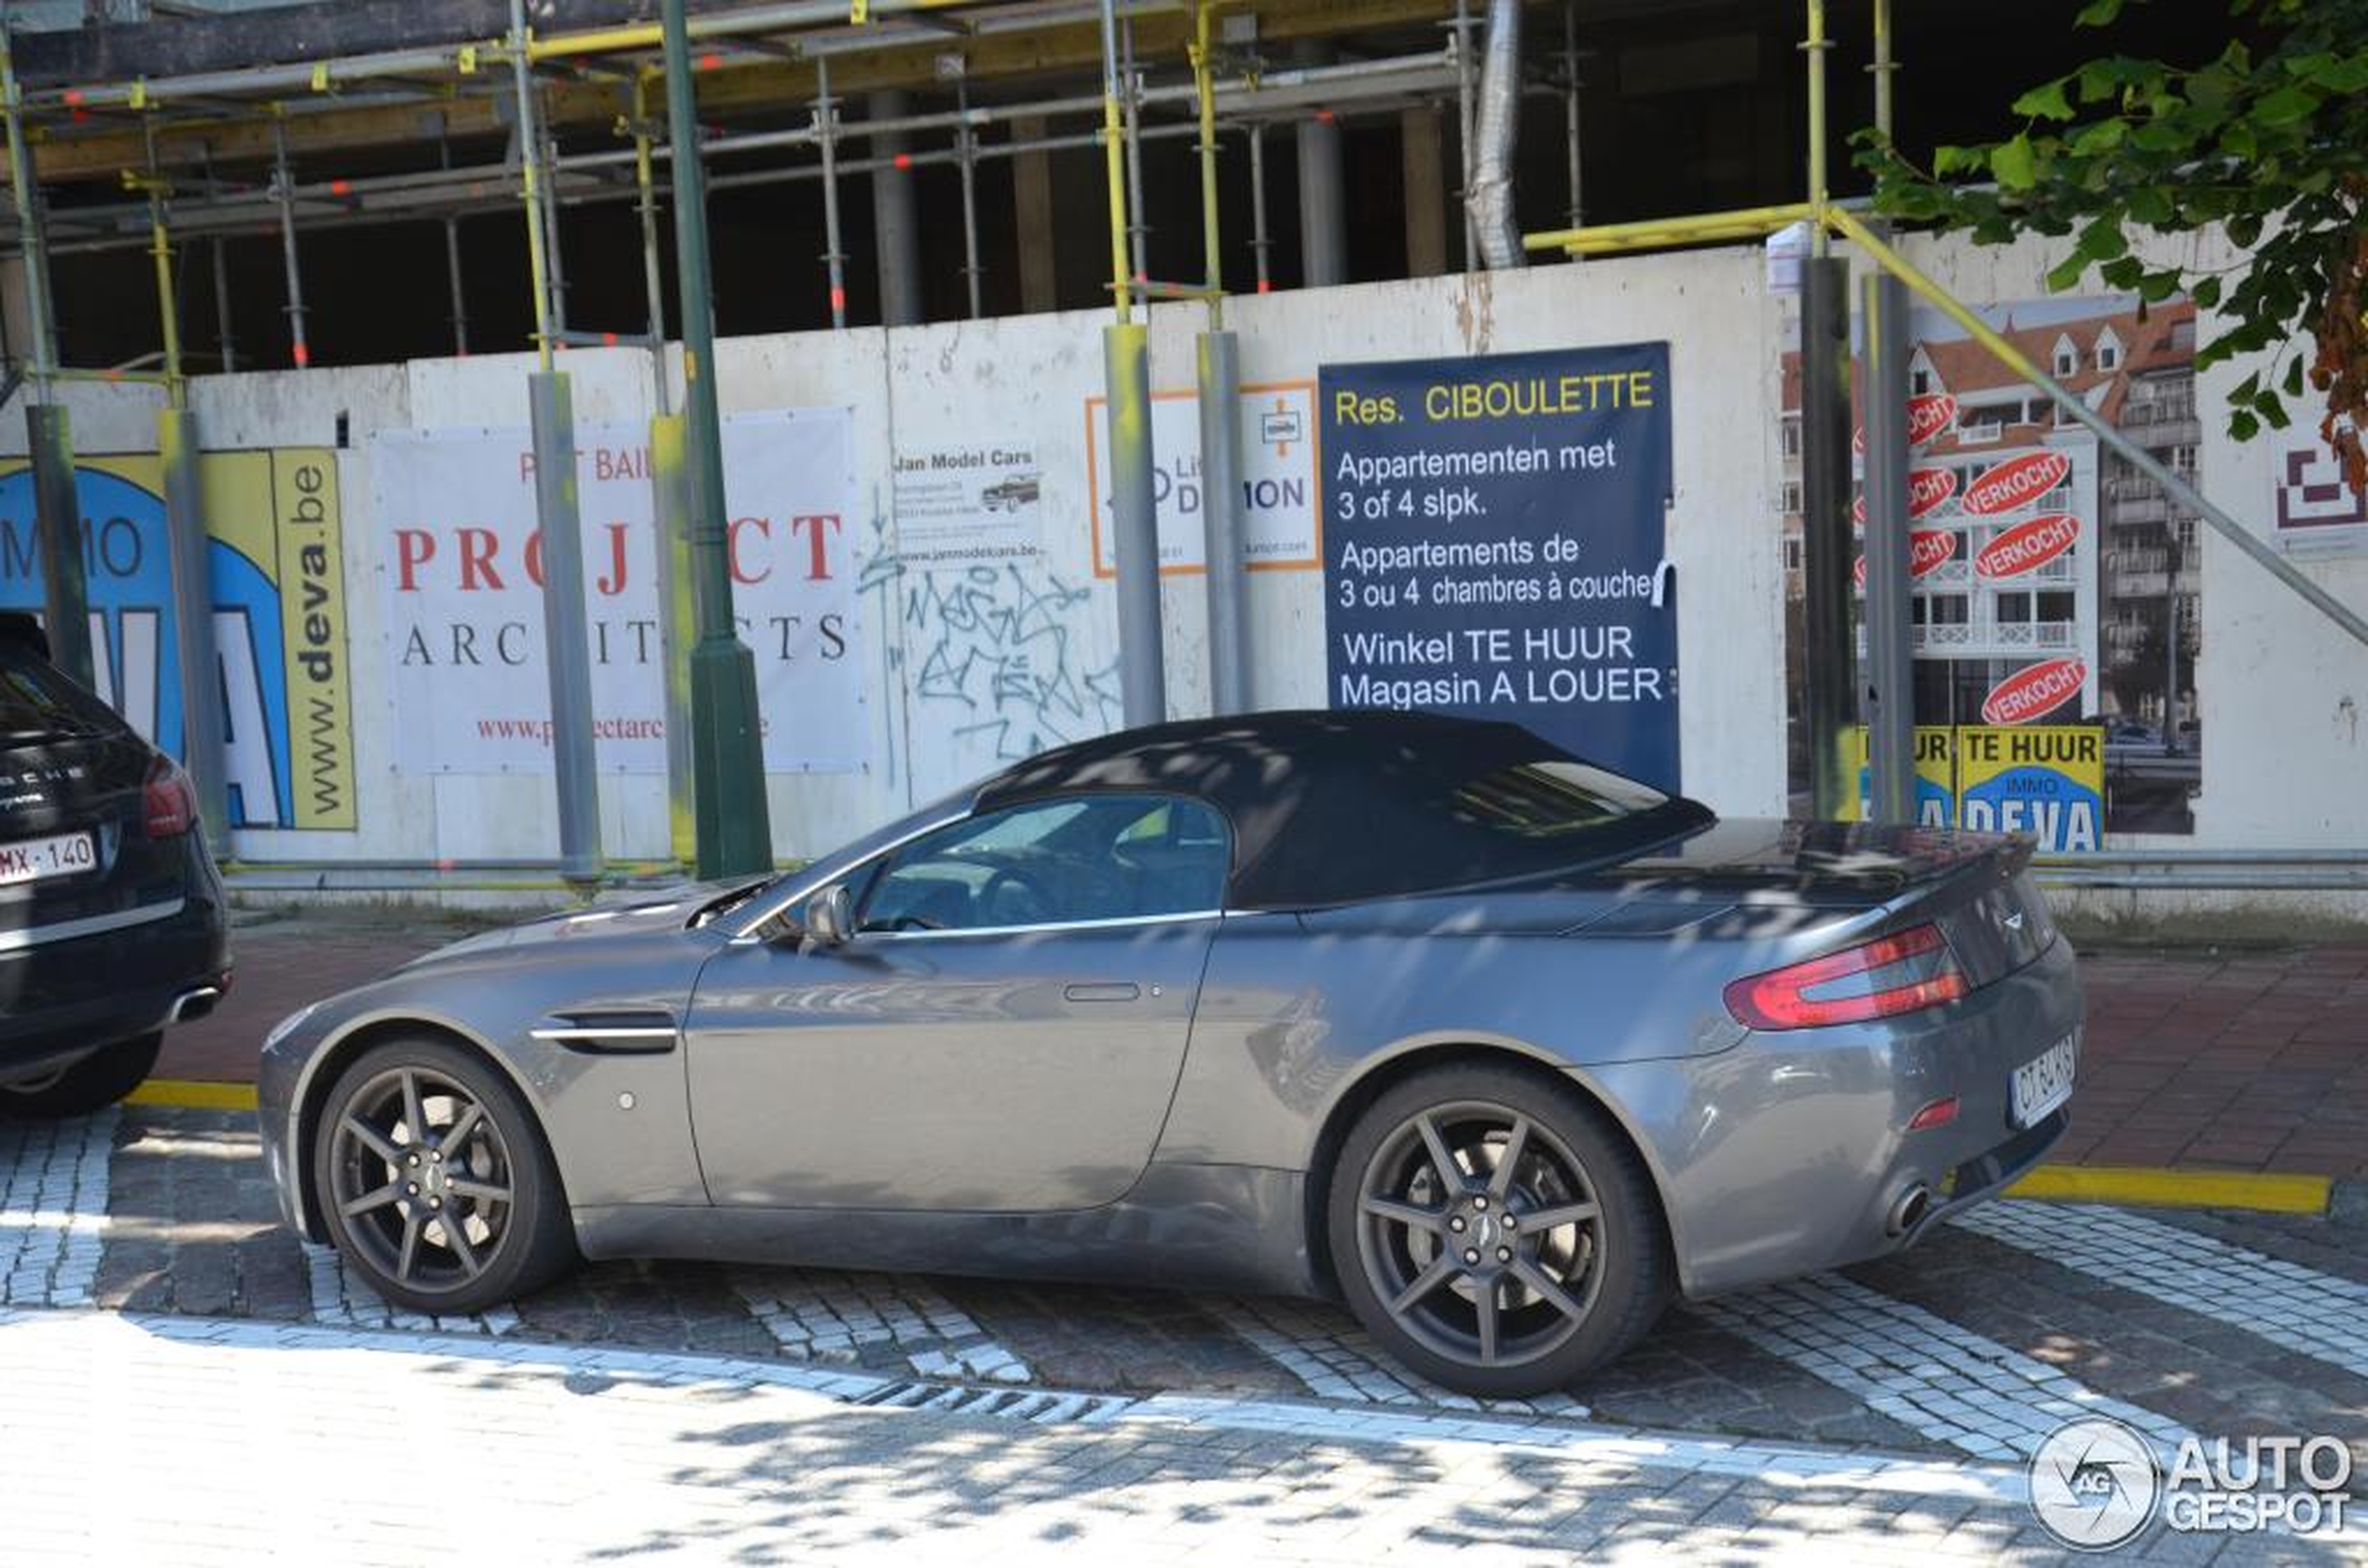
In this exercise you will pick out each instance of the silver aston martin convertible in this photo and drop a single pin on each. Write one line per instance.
(1501, 1047)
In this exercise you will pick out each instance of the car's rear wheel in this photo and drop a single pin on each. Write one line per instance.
(437, 1182)
(94, 1083)
(1493, 1231)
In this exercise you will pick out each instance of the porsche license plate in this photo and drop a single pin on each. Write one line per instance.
(37, 859)
(2046, 1081)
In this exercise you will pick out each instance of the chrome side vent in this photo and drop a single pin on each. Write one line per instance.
(613, 1032)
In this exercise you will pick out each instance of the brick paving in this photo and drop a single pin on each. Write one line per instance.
(2246, 1060)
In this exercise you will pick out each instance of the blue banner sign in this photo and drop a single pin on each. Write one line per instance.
(1494, 530)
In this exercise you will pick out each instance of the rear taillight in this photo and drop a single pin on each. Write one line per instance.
(1903, 972)
(169, 804)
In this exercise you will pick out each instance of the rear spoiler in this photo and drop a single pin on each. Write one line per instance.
(20, 628)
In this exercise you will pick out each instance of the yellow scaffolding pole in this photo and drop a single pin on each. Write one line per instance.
(1205, 83)
(1742, 223)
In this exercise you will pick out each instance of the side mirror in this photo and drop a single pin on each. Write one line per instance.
(830, 915)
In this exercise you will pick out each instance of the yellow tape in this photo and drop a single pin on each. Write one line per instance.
(182, 1095)
(2168, 1188)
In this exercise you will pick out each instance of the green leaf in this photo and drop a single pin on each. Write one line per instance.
(2014, 165)
(2150, 205)
(2101, 137)
(2243, 426)
(2123, 272)
(2156, 287)
(2287, 105)
(2067, 273)
(2046, 101)
(2293, 377)
(2345, 75)
(2103, 241)
(2273, 410)
(2098, 13)
(1949, 160)
(2205, 294)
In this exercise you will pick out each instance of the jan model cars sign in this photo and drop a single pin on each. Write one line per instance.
(1492, 545)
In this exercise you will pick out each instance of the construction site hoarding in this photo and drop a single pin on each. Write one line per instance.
(462, 569)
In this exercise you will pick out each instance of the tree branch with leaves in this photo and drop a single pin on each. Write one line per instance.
(2268, 141)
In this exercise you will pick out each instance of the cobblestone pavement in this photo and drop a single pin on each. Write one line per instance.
(1141, 1421)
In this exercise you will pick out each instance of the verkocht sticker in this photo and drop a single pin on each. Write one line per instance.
(2017, 482)
(2028, 546)
(1927, 488)
(1928, 550)
(2035, 691)
(1928, 415)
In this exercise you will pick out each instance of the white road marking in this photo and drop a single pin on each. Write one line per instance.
(820, 1315)
(1922, 1372)
(2323, 1316)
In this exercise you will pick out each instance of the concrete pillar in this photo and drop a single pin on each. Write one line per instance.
(1323, 216)
(15, 323)
(1032, 198)
(1419, 134)
(894, 228)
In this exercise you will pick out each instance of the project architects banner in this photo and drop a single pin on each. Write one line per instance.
(462, 565)
(1493, 540)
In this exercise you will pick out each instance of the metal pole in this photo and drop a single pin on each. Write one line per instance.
(2138, 457)
(1260, 242)
(1138, 233)
(735, 836)
(221, 255)
(1126, 366)
(826, 129)
(966, 151)
(1883, 69)
(1323, 219)
(1828, 658)
(284, 187)
(1226, 578)
(2171, 636)
(895, 233)
(566, 632)
(1462, 25)
(547, 150)
(1890, 690)
(452, 260)
(49, 433)
(1570, 105)
(185, 536)
(670, 510)
(1815, 47)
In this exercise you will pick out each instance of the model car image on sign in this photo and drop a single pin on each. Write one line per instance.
(111, 915)
(1503, 1048)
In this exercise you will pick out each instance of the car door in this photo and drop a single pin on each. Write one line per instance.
(1002, 1031)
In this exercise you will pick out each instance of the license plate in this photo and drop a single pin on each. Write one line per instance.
(37, 859)
(2045, 1082)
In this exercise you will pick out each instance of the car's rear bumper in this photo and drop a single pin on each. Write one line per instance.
(1791, 1152)
(66, 997)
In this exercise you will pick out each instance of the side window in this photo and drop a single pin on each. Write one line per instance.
(1083, 857)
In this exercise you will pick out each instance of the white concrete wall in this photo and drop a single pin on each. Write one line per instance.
(968, 668)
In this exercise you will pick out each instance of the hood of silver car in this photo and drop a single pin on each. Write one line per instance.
(623, 914)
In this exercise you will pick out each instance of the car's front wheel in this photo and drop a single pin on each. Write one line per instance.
(1493, 1231)
(94, 1083)
(435, 1180)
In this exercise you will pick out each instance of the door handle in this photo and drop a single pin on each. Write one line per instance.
(1120, 991)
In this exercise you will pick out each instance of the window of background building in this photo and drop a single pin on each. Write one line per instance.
(1950, 609)
(2013, 609)
(1788, 432)
(2055, 607)
(1792, 555)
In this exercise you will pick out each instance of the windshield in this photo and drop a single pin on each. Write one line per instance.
(38, 703)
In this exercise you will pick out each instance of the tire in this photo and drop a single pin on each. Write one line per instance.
(460, 1213)
(1417, 1256)
(94, 1083)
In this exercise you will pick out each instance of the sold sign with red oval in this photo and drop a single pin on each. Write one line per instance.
(2028, 546)
(1927, 488)
(1927, 550)
(1928, 415)
(2017, 482)
(2033, 691)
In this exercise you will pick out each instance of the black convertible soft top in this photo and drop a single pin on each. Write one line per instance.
(1332, 806)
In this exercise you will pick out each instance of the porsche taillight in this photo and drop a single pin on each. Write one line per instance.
(1904, 972)
(168, 804)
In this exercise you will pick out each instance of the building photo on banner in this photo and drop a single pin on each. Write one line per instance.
(1495, 531)
(276, 571)
(2054, 606)
(461, 562)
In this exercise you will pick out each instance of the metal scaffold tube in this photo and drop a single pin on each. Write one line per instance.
(460, 322)
(1260, 242)
(895, 233)
(826, 115)
(283, 192)
(48, 433)
(1220, 374)
(1127, 371)
(966, 150)
(1138, 233)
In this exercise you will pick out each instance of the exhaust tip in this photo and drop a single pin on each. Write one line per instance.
(1909, 1209)
(192, 1005)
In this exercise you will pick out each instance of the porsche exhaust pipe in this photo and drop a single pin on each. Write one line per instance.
(1909, 1209)
(195, 1004)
